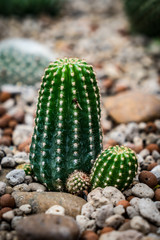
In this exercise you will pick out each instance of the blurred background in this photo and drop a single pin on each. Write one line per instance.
(119, 38)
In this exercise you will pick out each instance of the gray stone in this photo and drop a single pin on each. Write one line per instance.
(119, 210)
(15, 177)
(134, 202)
(123, 235)
(140, 224)
(42, 201)
(113, 195)
(8, 162)
(2, 188)
(26, 208)
(149, 211)
(155, 155)
(132, 212)
(28, 179)
(48, 227)
(4, 226)
(21, 157)
(56, 210)
(16, 221)
(114, 221)
(21, 188)
(37, 187)
(144, 153)
(143, 191)
(156, 172)
(85, 223)
(87, 210)
(118, 136)
(102, 214)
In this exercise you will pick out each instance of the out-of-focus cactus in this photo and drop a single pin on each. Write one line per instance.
(144, 16)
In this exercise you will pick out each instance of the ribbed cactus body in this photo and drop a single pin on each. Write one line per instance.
(144, 16)
(67, 134)
(116, 166)
(77, 182)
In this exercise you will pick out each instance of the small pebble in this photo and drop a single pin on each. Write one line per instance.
(7, 201)
(8, 216)
(89, 235)
(2, 188)
(26, 208)
(156, 172)
(144, 153)
(124, 203)
(156, 155)
(151, 147)
(106, 230)
(139, 224)
(114, 221)
(151, 166)
(4, 226)
(87, 210)
(56, 210)
(148, 178)
(21, 188)
(157, 194)
(37, 187)
(119, 210)
(16, 221)
(4, 210)
(103, 213)
(143, 191)
(15, 177)
(8, 162)
(85, 223)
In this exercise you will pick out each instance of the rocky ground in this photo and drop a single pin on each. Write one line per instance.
(127, 68)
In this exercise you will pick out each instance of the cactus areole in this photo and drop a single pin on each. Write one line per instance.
(67, 134)
(116, 166)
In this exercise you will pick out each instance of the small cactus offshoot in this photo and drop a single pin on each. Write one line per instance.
(26, 167)
(67, 134)
(116, 166)
(77, 182)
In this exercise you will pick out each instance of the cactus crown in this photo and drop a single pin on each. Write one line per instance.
(77, 182)
(116, 166)
(67, 134)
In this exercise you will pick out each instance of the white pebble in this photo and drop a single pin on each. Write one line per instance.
(56, 210)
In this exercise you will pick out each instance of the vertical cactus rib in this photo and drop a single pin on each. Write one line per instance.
(67, 134)
(116, 166)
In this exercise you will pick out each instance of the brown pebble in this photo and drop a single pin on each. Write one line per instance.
(22, 146)
(4, 121)
(157, 194)
(130, 198)
(4, 96)
(2, 110)
(7, 132)
(121, 88)
(106, 230)
(89, 235)
(107, 83)
(27, 149)
(112, 142)
(19, 116)
(148, 178)
(124, 203)
(12, 124)
(150, 127)
(151, 166)
(138, 149)
(4, 210)
(7, 201)
(6, 140)
(151, 147)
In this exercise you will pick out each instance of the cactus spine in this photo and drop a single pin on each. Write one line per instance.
(77, 182)
(67, 134)
(116, 166)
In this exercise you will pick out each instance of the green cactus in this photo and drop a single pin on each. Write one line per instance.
(77, 182)
(22, 60)
(22, 7)
(67, 134)
(144, 16)
(116, 166)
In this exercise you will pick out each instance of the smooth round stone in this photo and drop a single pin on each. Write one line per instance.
(8, 162)
(55, 210)
(48, 227)
(26, 208)
(2, 188)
